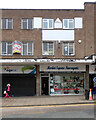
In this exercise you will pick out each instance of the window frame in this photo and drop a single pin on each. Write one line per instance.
(68, 21)
(27, 49)
(27, 23)
(47, 20)
(6, 49)
(7, 27)
(68, 49)
(47, 48)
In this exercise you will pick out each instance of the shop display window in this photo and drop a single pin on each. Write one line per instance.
(67, 84)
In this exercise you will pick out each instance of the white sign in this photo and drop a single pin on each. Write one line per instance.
(55, 35)
(37, 22)
(62, 67)
(18, 69)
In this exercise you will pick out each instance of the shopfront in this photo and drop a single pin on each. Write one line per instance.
(67, 83)
(63, 79)
(92, 78)
(21, 78)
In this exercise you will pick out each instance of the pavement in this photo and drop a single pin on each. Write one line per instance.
(45, 100)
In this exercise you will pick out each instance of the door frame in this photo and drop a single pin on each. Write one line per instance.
(41, 76)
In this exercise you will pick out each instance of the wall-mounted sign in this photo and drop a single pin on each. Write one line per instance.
(92, 69)
(16, 47)
(19, 69)
(9, 69)
(62, 67)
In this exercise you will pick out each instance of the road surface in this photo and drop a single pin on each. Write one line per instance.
(57, 111)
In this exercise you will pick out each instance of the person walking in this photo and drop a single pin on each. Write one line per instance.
(8, 90)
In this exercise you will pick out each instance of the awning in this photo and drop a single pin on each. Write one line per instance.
(36, 61)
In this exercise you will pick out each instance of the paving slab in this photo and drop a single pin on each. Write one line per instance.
(44, 100)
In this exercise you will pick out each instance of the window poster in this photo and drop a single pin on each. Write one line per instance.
(94, 82)
(16, 47)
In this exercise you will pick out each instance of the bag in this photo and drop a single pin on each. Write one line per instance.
(5, 92)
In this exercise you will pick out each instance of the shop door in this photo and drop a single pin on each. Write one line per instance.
(44, 86)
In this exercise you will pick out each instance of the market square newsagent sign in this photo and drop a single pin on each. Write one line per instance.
(62, 67)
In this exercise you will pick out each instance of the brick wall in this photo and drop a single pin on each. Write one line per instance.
(86, 34)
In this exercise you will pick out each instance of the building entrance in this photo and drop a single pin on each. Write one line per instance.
(44, 86)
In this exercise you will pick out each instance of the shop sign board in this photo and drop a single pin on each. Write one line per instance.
(16, 47)
(62, 67)
(18, 69)
(92, 69)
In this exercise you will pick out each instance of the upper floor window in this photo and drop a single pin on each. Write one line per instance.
(68, 23)
(27, 48)
(7, 23)
(47, 23)
(48, 48)
(6, 48)
(27, 23)
(68, 48)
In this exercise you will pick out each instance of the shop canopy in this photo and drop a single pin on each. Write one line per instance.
(47, 61)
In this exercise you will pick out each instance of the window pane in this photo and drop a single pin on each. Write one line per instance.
(71, 24)
(29, 23)
(10, 24)
(70, 48)
(50, 48)
(9, 49)
(65, 49)
(50, 23)
(44, 46)
(65, 23)
(3, 23)
(29, 48)
(24, 49)
(24, 24)
(45, 23)
(3, 48)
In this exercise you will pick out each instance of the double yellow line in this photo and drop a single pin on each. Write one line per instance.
(48, 106)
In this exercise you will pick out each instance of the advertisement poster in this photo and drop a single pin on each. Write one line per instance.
(16, 47)
(94, 82)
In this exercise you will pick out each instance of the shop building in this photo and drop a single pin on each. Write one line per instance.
(48, 51)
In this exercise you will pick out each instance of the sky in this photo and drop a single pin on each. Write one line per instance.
(44, 4)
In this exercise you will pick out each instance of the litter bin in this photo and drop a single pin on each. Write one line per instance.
(86, 94)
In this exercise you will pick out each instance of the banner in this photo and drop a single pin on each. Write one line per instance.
(16, 45)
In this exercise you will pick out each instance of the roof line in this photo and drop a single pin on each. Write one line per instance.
(40, 9)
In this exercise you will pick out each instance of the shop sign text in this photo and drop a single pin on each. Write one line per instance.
(8, 69)
(62, 68)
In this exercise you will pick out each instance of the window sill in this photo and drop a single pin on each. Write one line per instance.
(47, 55)
(6, 55)
(26, 29)
(27, 55)
(7, 29)
(68, 55)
